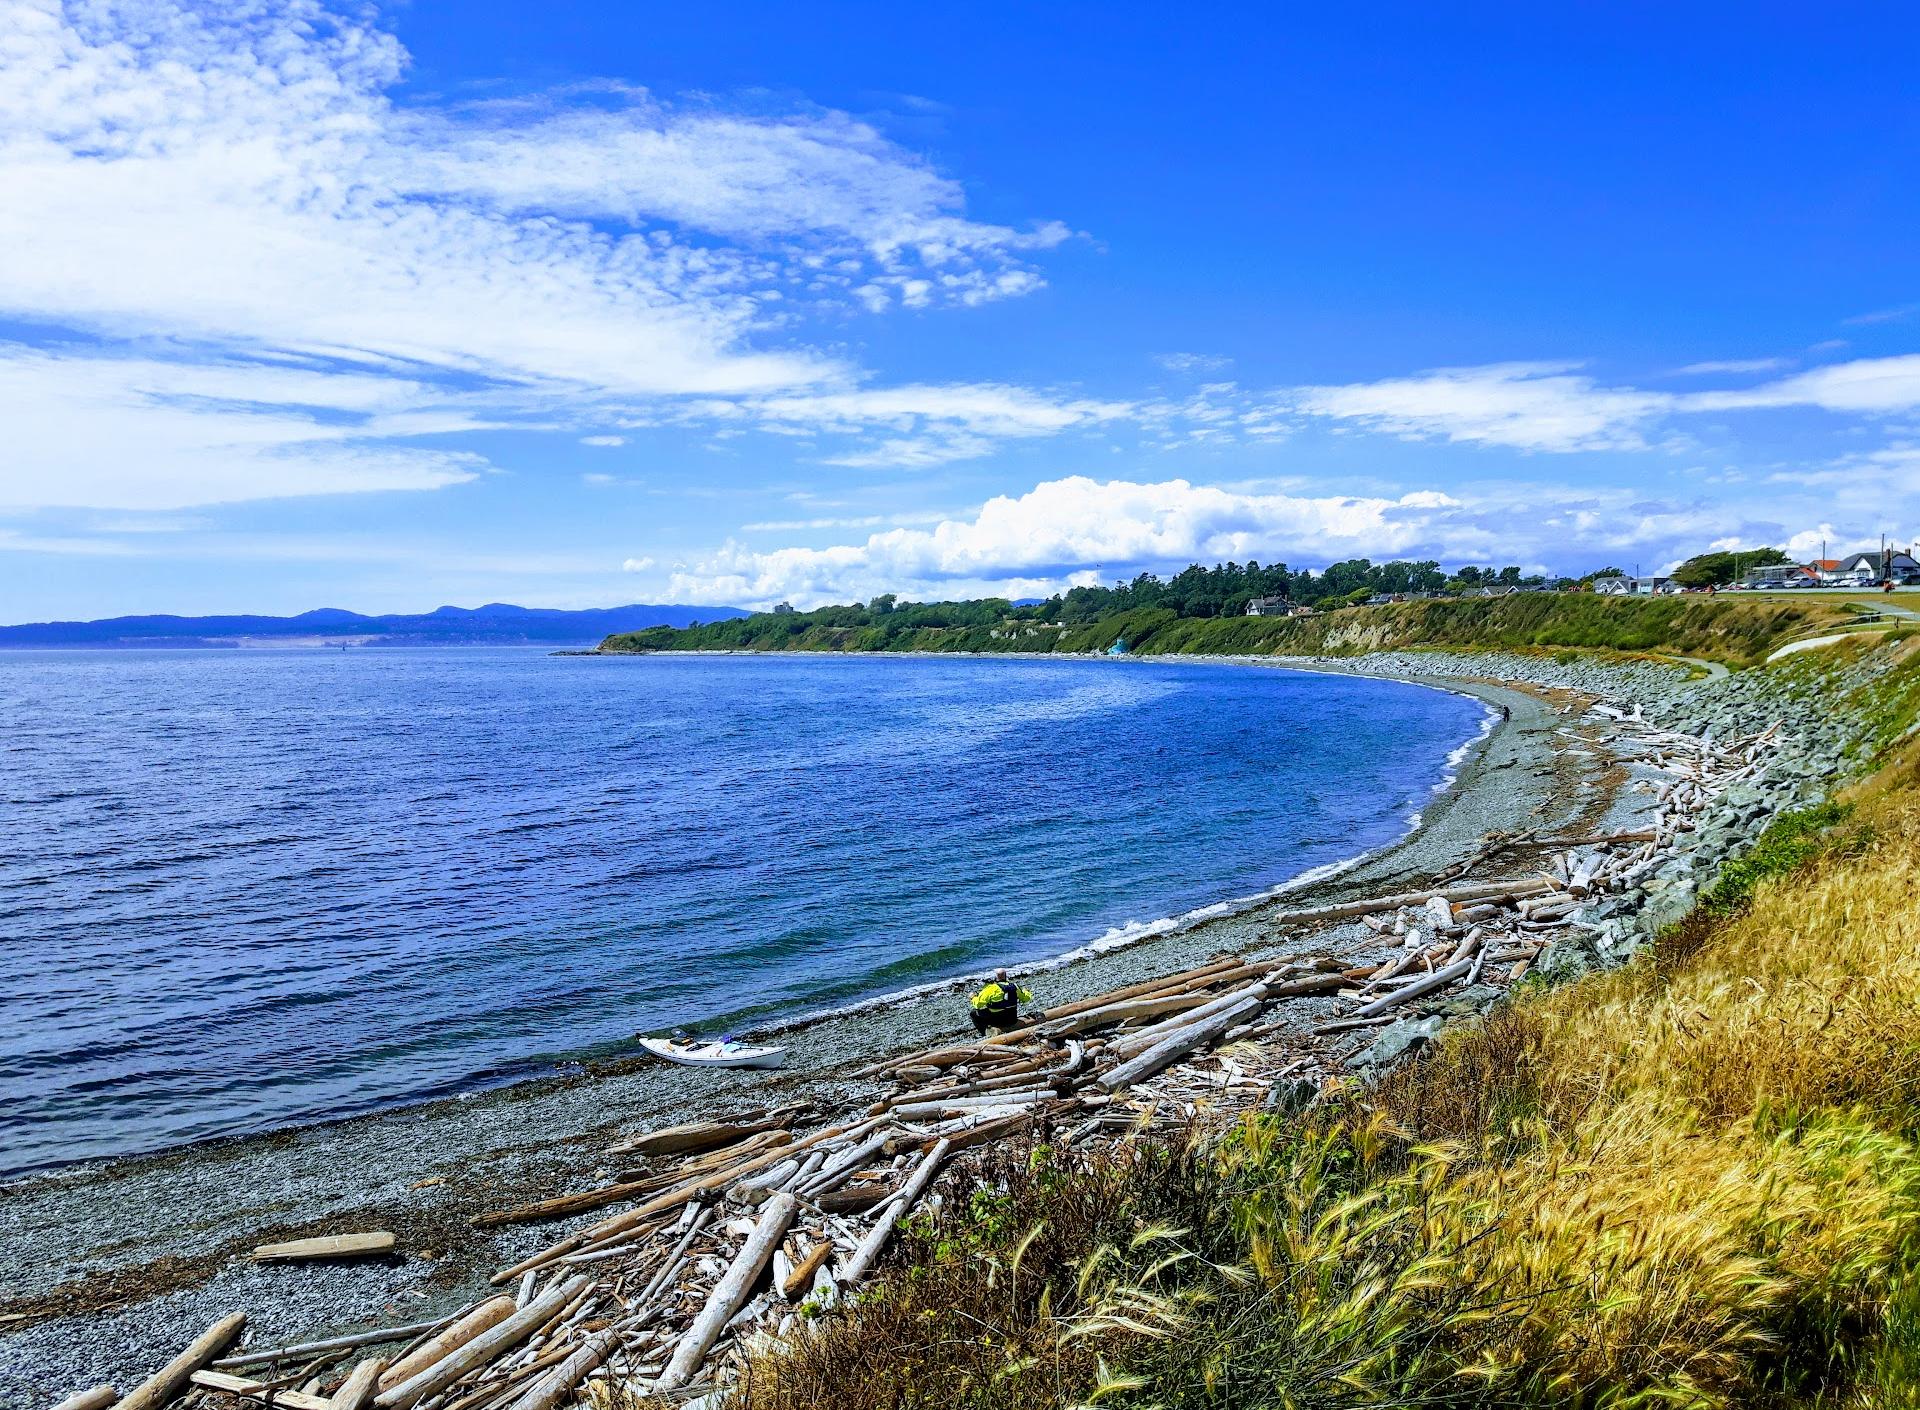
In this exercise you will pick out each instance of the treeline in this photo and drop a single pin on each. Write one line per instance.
(1225, 589)
(1723, 628)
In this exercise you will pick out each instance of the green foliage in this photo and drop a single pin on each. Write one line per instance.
(1740, 632)
(1719, 569)
(1789, 842)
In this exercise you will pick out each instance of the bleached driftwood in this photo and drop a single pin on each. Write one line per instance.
(345, 1343)
(557, 1385)
(229, 1384)
(480, 1320)
(365, 1245)
(163, 1385)
(482, 1349)
(1426, 984)
(855, 1268)
(1175, 1046)
(360, 1387)
(730, 1293)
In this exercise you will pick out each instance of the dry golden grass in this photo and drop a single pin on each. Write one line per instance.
(1691, 1182)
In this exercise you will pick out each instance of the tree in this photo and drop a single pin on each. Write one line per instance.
(1720, 568)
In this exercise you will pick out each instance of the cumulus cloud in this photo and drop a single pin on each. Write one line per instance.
(1059, 528)
(1079, 529)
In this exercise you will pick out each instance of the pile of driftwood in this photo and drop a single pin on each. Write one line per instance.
(719, 1230)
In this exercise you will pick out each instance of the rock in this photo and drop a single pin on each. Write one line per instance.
(1291, 1097)
(1397, 1040)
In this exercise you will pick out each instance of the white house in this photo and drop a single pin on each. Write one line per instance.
(1867, 569)
(1268, 607)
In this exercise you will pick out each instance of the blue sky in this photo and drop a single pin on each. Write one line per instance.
(574, 305)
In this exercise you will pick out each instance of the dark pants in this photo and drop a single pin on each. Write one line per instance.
(985, 1022)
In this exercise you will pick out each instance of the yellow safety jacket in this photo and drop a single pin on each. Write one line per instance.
(998, 998)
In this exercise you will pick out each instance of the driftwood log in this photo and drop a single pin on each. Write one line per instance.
(730, 1293)
(360, 1387)
(166, 1383)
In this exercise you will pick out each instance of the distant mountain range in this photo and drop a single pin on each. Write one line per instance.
(496, 624)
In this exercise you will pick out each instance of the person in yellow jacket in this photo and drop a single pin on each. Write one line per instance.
(997, 1006)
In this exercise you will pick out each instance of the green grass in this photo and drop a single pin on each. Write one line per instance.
(1720, 629)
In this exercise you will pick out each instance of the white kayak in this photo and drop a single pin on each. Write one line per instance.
(725, 1053)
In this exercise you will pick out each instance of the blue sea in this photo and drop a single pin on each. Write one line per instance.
(241, 890)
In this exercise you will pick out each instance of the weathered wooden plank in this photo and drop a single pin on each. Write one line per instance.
(367, 1245)
(255, 1390)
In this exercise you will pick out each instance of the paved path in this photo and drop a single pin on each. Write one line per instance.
(1715, 671)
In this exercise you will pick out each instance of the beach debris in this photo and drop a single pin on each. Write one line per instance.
(356, 1392)
(255, 1390)
(716, 1229)
(163, 1385)
(367, 1245)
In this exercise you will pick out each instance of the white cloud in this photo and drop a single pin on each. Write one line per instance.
(606, 442)
(141, 433)
(1057, 528)
(1542, 406)
(1084, 530)
(1193, 362)
(1899, 314)
(632, 159)
(238, 180)
(929, 424)
(1872, 386)
(1732, 365)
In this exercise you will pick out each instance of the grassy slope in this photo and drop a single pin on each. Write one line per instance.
(1717, 628)
(1692, 1182)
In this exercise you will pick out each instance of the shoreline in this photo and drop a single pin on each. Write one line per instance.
(1119, 937)
(119, 1255)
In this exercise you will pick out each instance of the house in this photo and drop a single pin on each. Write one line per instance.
(1867, 569)
(1636, 587)
(1267, 606)
(1824, 569)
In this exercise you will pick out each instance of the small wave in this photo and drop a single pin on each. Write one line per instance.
(1137, 932)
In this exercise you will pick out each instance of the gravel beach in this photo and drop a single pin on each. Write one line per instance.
(110, 1269)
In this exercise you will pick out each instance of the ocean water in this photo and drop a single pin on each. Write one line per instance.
(247, 889)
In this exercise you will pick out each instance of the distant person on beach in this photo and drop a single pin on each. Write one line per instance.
(997, 1006)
